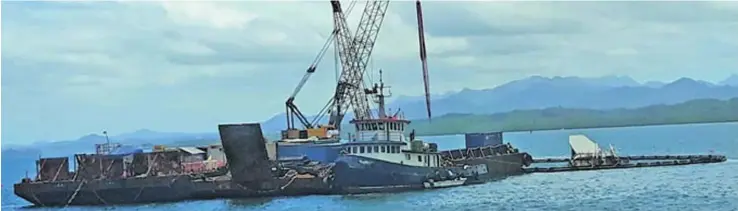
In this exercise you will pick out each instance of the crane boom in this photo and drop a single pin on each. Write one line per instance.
(355, 53)
(423, 58)
(291, 109)
(345, 53)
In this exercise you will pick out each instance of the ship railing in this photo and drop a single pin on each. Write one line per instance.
(478, 152)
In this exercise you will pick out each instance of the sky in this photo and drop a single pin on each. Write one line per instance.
(75, 68)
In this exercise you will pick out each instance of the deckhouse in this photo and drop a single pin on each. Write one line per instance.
(384, 139)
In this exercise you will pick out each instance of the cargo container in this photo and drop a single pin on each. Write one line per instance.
(475, 140)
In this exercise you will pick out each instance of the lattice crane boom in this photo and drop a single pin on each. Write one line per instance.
(355, 53)
(291, 109)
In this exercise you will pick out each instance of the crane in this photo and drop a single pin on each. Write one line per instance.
(292, 111)
(354, 53)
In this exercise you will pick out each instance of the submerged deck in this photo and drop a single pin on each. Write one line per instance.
(646, 161)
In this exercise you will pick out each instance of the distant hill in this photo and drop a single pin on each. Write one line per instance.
(555, 118)
(538, 92)
(730, 81)
(86, 144)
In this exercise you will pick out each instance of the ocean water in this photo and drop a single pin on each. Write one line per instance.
(694, 187)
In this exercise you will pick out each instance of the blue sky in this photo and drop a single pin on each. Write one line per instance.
(71, 69)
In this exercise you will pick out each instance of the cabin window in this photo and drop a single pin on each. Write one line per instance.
(397, 149)
(361, 149)
(381, 126)
(407, 156)
(376, 148)
(392, 149)
(394, 126)
(374, 126)
(353, 150)
(384, 149)
(368, 149)
(420, 158)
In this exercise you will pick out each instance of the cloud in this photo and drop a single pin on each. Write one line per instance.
(72, 68)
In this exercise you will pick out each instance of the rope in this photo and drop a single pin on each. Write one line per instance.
(58, 170)
(99, 198)
(36, 198)
(74, 195)
(139, 193)
(288, 183)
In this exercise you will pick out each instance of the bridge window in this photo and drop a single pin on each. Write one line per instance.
(383, 149)
(361, 149)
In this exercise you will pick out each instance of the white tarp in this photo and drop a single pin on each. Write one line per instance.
(192, 150)
(582, 145)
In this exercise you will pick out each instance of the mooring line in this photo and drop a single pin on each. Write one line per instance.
(74, 195)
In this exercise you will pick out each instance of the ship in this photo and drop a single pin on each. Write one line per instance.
(380, 158)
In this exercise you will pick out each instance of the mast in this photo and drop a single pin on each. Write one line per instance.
(380, 96)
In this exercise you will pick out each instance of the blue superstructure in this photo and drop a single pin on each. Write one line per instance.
(324, 153)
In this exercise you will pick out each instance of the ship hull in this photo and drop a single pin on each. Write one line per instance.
(106, 192)
(356, 174)
(496, 167)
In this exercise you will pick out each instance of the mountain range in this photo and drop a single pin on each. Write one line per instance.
(538, 92)
(535, 92)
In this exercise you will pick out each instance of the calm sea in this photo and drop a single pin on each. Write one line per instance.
(697, 187)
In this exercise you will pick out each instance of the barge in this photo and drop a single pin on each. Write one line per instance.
(165, 176)
(586, 155)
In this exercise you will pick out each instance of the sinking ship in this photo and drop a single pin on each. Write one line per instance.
(380, 158)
